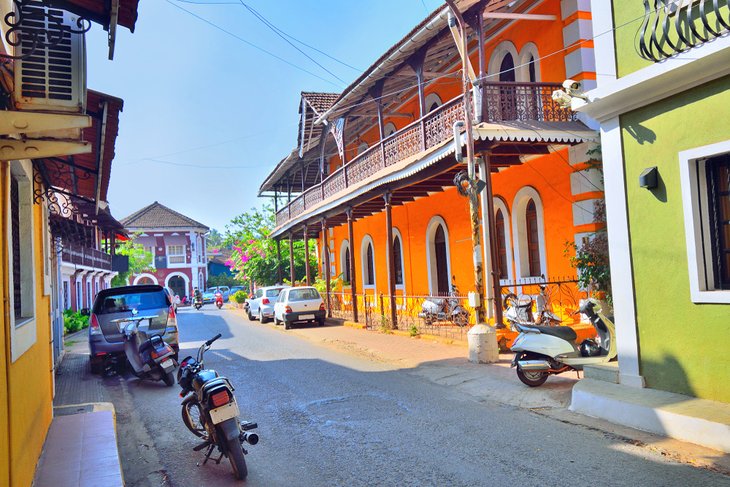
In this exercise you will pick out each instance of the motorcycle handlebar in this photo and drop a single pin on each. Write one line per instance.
(209, 342)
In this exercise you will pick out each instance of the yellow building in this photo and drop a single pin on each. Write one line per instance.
(36, 126)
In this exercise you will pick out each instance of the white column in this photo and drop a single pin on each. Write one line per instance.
(619, 249)
(194, 260)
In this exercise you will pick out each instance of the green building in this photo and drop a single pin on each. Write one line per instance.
(663, 102)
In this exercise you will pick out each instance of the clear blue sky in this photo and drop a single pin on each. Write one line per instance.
(196, 96)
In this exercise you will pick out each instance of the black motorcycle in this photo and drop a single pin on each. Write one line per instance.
(211, 413)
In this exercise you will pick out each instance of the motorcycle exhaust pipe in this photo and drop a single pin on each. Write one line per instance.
(250, 438)
(534, 365)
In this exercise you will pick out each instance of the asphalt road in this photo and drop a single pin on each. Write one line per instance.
(331, 418)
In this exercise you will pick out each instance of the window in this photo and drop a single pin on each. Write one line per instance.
(705, 178)
(151, 250)
(388, 130)
(175, 254)
(432, 102)
(398, 261)
(442, 272)
(370, 268)
(501, 245)
(345, 262)
(507, 68)
(533, 239)
(21, 244)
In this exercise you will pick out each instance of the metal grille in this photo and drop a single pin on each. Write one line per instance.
(15, 230)
(507, 101)
(718, 183)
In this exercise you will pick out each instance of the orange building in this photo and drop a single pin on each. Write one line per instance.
(373, 174)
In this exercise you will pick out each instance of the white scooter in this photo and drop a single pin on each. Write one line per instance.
(541, 351)
(149, 356)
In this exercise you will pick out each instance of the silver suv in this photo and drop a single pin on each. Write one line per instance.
(261, 306)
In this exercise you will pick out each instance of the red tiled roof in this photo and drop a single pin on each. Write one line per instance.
(320, 102)
(157, 215)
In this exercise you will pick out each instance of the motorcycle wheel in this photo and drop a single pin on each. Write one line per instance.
(237, 459)
(192, 416)
(169, 379)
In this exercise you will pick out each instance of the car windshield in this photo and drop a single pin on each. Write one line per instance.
(212, 290)
(272, 293)
(127, 302)
(303, 294)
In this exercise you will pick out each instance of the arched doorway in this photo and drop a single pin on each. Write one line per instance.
(442, 266)
(178, 286)
(145, 280)
(437, 257)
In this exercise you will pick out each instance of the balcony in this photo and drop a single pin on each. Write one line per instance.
(85, 256)
(500, 102)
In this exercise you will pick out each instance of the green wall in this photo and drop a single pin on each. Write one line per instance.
(682, 345)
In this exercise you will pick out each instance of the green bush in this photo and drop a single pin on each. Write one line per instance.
(74, 321)
(240, 297)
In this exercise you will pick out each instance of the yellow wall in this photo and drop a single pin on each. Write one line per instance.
(26, 395)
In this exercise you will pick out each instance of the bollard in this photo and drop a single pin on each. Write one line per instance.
(483, 347)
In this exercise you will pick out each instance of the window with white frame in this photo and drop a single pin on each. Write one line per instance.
(151, 250)
(21, 243)
(367, 255)
(175, 254)
(705, 177)
(345, 262)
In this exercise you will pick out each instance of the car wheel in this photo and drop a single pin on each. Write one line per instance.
(287, 325)
(276, 320)
(251, 317)
(262, 318)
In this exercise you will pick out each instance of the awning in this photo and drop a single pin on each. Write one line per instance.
(86, 176)
(533, 131)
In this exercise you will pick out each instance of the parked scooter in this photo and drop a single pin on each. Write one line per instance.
(219, 299)
(149, 356)
(444, 309)
(541, 351)
(211, 413)
(519, 309)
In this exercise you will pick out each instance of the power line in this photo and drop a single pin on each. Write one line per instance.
(276, 31)
(201, 166)
(251, 44)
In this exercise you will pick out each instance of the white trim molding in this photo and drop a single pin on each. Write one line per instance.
(694, 202)
(139, 277)
(178, 274)
(495, 60)
(345, 245)
(433, 224)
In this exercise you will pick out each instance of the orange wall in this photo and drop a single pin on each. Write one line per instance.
(549, 175)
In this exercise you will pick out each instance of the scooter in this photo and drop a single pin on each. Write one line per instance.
(541, 351)
(444, 309)
(198, 303)
(149, 356)
(219, 300)
(210, 412)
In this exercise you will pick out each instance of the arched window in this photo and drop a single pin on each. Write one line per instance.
(345, 261)
(432, 102)
(398, 260)
(369, 266)
(501, 245)
(533, 239)
(507, 68)
(442, 267)
(531, 70)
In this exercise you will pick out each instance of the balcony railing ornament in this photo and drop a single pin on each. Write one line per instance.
(34, 26)
(671, 27)
(59, 203)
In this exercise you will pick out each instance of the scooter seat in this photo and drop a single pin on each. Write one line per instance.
(563, 332)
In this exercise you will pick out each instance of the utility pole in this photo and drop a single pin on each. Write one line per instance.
(482, 338)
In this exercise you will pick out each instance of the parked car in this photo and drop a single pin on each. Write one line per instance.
(111, 304)
(299, 305)
(261, 306)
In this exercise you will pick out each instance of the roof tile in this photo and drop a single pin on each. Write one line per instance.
(157, 215)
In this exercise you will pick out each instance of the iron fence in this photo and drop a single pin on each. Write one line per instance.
(562, 296)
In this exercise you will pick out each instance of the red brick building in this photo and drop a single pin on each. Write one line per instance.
(177, 244)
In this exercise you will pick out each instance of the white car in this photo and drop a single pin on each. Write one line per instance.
(298, 305)
(261, 306)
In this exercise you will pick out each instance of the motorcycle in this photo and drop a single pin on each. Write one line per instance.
(219, 300)
(444, 309)
(541, 351)
(149, 356)
(210, 412)
(198, 303)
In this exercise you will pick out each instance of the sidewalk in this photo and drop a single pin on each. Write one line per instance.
(81, 446)
(445, 362)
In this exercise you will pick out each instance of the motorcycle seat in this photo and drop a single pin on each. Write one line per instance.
(563, 332)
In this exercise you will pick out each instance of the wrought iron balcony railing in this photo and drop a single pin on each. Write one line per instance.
(500, 102)
(81, 255)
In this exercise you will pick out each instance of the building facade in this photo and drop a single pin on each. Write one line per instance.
(372, 177)
(663, 92)
(50, 163)
(177, 244)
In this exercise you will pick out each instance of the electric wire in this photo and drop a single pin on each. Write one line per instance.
(249, 43)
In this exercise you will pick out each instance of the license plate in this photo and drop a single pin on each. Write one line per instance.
(218, 415)
(167, 364)
(306, 317)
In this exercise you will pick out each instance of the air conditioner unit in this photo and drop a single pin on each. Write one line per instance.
(52, 76)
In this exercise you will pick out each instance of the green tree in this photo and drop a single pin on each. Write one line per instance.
(254, 256)
(214, 239)
(139, 260)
